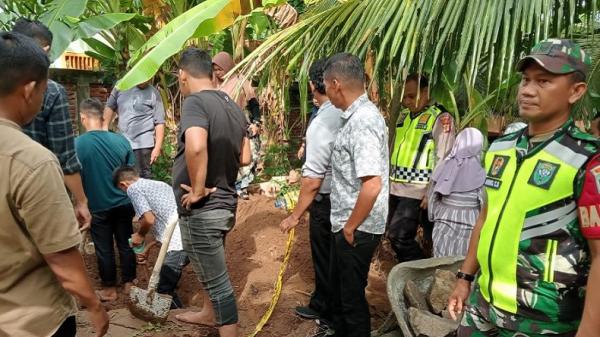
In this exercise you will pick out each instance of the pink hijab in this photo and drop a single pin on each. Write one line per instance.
(242, 96)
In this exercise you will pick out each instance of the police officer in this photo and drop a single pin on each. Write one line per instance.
(530, 248)
(424, 135)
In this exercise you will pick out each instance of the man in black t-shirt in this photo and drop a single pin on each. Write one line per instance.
(212, 144)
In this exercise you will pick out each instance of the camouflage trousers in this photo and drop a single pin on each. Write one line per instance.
(481, 319)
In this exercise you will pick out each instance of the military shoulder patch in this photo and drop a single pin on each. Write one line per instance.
(543, 174)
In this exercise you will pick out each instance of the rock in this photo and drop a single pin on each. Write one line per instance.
(427, 324)
(441, 289)
(414, 297)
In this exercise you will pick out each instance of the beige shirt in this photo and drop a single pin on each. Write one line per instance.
(37, 218)
(444, 134)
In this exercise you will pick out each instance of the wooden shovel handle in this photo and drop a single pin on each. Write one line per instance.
(173, 221)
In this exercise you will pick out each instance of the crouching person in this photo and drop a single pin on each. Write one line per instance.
(154, 205)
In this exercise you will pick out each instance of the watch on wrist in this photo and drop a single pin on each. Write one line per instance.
(464, 276)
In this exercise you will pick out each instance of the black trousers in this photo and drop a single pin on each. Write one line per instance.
(106, 225)
(320, 246)
(142, 162)
(349, 273)
(67, 329)
(170, 273)
(405, 215)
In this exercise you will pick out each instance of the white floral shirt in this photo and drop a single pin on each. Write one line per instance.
(360, 150)
(156, 196)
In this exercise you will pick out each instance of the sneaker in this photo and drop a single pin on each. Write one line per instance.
(307, 313)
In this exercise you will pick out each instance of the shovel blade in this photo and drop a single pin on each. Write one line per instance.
(154, 308)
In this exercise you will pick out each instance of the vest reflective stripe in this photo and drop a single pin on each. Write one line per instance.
(513, 192)
(413, 155)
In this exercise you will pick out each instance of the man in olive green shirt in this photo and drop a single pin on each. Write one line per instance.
(41, 268)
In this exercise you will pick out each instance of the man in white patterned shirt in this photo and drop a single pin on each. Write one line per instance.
(359, 193)
(154, 204)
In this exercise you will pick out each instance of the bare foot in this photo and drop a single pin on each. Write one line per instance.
(197, 317)
(107, 294)
(127, 288)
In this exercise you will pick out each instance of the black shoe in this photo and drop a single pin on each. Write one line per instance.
(307, 313)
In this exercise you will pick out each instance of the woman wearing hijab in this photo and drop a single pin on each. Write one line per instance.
(456, 195)
(245, 97)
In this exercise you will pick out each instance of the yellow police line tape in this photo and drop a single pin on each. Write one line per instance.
(278, 284)
(291, 198)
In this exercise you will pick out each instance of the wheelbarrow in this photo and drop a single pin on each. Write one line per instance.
(421, 272)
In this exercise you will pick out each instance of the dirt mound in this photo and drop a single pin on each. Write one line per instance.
(255, 250)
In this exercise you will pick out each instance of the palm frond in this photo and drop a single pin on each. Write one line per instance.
(479, 38)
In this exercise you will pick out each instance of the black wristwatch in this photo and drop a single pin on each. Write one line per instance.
(466, 277)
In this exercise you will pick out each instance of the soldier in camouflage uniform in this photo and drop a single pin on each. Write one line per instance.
(531, 251)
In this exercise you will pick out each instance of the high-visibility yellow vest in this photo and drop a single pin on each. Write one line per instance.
(529, 197)
(413, 156)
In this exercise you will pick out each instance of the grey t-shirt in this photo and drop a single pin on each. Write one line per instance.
(320, 137)
(139, 111)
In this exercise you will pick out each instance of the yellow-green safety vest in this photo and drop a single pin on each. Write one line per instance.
(413, 156)
(517, 190)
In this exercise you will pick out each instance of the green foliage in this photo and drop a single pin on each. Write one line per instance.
(207, 18)
(481, 40)
(299, 5)
(276, 161)
(70, 20)
(163, 166)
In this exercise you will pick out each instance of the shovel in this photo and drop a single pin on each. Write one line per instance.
(148, 305)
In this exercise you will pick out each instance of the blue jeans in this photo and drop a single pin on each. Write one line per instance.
(106, 225)
(203, 236)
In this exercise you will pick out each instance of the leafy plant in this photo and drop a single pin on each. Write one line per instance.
(481, 40)
(276, 161)
(163, 166)
(207, 18)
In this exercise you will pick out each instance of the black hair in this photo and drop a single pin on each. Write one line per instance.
(34, 29)
(315, 74)
(578, 77)
(92, 107)
(422, 80)
(345, 66)
(21, 61)
(124, 173)
(197, 62)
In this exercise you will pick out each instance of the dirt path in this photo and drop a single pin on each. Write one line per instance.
(255, 249)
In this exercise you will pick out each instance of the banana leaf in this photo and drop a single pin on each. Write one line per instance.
(56, 12)
(202, 20)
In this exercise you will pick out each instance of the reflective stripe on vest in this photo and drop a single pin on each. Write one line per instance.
(514, 190)
(412, 157)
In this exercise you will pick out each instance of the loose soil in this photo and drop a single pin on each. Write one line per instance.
(255, 249)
